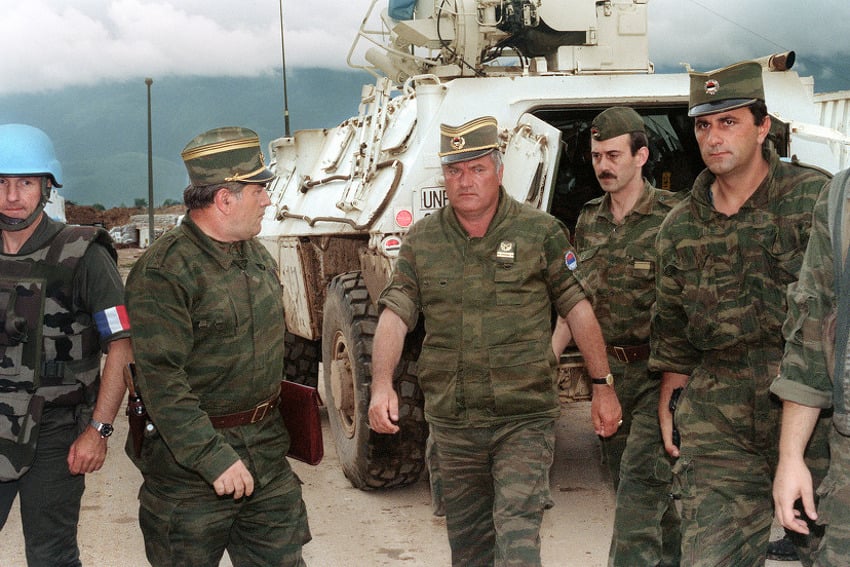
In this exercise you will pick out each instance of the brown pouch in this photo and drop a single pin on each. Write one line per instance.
(299, 406)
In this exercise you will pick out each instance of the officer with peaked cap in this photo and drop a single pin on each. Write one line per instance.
(485, 271)
(61, 307)
(209, 326)
(726, 257)
(615, 238)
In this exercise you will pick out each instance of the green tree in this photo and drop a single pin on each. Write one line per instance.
(140, 203)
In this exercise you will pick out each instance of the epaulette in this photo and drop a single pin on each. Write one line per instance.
(796, 161)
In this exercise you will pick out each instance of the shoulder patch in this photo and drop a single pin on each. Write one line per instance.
(570, 260)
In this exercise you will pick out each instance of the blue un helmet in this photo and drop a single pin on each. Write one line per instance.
(27, 151)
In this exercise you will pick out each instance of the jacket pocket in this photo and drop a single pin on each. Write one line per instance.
(438, 379)
(523, 377)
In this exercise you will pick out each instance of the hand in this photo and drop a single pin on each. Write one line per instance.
(793, 480)
(236, 480)
(665, 421)
(87, 453)
(605, 411)
(383, 410)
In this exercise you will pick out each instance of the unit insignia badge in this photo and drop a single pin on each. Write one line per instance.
(712, 86)
(458, 142)
(506, 251)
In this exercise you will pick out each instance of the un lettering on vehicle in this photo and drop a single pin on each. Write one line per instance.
(428, 200)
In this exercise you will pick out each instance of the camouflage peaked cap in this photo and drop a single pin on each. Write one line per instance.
(616, 121)
(468, 141)
(225, 154)
(735, 86)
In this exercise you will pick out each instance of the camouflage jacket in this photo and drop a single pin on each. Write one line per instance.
(487, 302)
(208, 340)
(804, 376)
(62, 303)
(722, 280)
(618, 263)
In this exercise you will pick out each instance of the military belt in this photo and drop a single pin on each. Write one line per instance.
(253, 415)
(627, 354)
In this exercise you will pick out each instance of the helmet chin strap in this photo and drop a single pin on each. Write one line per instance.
(14, 225)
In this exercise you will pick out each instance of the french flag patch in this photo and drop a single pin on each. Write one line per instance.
(112, 320)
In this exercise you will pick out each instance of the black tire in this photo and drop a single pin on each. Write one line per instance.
(301, 359)
(369, 460)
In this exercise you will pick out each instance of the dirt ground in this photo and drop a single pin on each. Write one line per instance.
(353, 528)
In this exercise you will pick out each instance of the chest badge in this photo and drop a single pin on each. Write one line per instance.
(506, 251)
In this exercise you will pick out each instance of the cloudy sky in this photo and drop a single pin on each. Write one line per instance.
(50, 44)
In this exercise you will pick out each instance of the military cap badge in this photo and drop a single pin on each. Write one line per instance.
(458, 142)
(712, 86)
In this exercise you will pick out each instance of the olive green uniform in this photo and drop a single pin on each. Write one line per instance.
(208, 339)
(618, 270)
(719, 311)
(487, 368)
(804, 377)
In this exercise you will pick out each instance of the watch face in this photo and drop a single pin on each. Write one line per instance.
(106, 430)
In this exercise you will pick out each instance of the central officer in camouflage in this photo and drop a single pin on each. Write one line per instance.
(208, 332)
(726, 255)
(485, 271)
(615, 238)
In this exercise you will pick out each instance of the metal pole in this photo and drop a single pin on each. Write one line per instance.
(283, 62)
(151, 230)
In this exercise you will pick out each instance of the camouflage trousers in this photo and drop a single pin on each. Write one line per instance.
(834, 506)
(729, 424)
(49, 494)
(494, 490)
(646, 522)
(268, 528)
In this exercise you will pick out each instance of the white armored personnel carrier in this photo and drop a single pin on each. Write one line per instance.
(344, 197)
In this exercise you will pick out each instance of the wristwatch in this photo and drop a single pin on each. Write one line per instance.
(105, 429)
(604, 381)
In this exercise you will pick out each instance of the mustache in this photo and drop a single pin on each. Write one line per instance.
(606, 175)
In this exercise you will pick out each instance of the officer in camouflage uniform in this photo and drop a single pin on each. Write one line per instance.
(485, 272)
(61, 306)
(726, 256)
(208, 336)
(815, 374)
(615, 238)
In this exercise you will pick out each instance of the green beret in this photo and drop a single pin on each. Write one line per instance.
(616, 121)
(226, 154)
(728, 88)
(468, 141)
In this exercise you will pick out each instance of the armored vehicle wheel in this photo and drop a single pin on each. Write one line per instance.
(301, 359)
(368, 459)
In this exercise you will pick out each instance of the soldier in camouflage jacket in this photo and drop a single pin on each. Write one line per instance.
(61, 306)
(815, 375)
(485, 272)
(209, 350)
(726, 256)
(615, 238)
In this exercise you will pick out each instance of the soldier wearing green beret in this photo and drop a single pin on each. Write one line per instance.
(726, 256)
(615, 238)
(485, 271)
(208, 338)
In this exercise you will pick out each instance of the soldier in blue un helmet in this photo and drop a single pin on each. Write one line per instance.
(61, 307)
